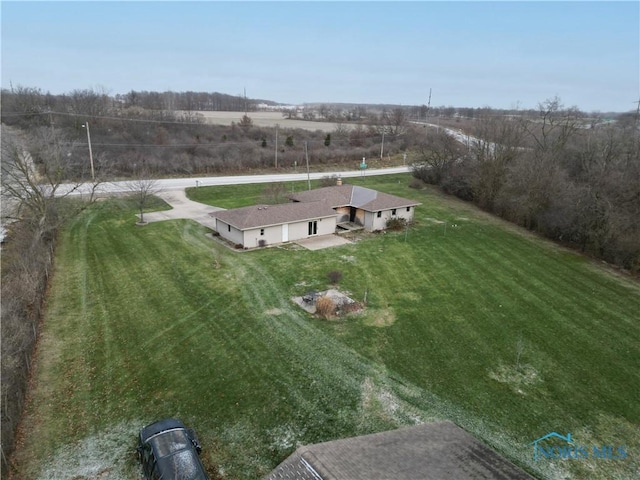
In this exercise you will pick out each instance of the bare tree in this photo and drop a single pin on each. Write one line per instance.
(495, 148)
(274, 193)
(395, 121)
(341, 130)
(554, 125)
(437, 154)
(142, 189)
(32, 185)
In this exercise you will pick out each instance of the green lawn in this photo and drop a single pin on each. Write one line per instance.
(141, 325)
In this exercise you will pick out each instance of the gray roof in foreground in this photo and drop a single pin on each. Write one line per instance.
(438, 451)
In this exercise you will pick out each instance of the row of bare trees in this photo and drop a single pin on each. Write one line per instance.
(33, 169)
(98, 102)
(549, 173)
(188, 101)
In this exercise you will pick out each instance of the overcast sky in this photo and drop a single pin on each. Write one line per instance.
(498, 54)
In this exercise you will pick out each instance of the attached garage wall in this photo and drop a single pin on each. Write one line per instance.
(271, 235)
(230, 233)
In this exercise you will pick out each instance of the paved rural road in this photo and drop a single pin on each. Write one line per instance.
(182, 183)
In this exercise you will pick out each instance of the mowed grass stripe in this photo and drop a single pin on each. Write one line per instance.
(554, 325)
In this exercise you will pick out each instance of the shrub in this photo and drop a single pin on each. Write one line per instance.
(325, 307)
(238, 246)
(334, 276)
(262, 243)
(396, 224)
(329, 181)
(416, 183)
(274, 193)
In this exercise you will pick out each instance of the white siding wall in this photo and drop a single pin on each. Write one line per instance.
(298, 230)
(234, 236)
(372, 222)
(271, 235)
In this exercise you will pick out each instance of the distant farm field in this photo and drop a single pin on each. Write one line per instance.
(266, 119)
(466, 319)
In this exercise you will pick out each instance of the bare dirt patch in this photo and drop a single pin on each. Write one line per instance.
(381, 318)
(273, 311)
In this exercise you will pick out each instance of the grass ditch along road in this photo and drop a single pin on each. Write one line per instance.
(141, 325)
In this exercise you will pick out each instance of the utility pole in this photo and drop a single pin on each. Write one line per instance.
(306, 154)
(276, 145)
(93, 175)
(53, 136)
(382, 146)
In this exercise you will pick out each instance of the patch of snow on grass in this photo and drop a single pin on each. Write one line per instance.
(374, 397)
(107, 455)
(516, 378)
(283, 437)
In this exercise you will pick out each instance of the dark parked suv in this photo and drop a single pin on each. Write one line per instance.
(169, 451)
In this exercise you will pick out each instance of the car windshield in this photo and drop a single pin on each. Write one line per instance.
(182, 465)
(170, 442)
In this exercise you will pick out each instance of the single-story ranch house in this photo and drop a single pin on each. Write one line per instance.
(311, 213)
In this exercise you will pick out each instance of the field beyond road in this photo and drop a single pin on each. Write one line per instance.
(266, 119)
(467, 319)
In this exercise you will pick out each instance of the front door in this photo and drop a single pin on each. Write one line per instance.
(313, 227)
(285, 232)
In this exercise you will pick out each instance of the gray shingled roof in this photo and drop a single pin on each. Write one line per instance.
(258, 216)
(354, 196)
(438, 451)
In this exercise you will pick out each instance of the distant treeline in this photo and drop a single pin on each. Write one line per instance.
(98, 102)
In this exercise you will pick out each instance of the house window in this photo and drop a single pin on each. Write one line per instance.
(228, 228)
(393, 212)
(313, 227)
(408, 209)
(379, 214)
(262, 231)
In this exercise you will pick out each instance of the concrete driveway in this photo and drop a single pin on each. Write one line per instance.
(183, 208)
